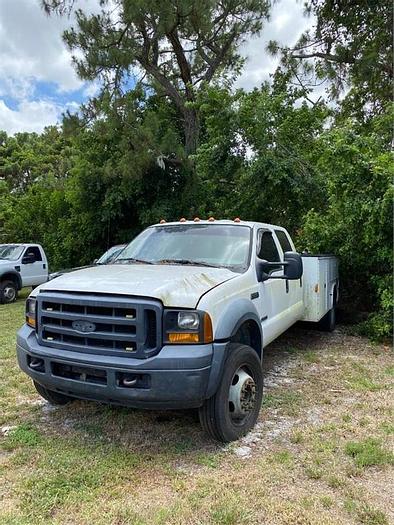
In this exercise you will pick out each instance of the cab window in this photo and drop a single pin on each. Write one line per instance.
(283, 241)
(268, 250)
(34, 250)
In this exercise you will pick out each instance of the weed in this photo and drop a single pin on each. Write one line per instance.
(368, 453)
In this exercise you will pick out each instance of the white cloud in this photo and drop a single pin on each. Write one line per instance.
(31, 45)
(29, 116)
(286, 25)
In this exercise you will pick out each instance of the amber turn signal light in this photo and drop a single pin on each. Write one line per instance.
(208, 332)
(31, 321)
(184, 337)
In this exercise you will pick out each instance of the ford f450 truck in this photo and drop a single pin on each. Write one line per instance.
(179, 320)
(21, 265)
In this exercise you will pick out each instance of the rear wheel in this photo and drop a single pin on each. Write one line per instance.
(8, 292)
(235, 407)
(54, 398)
(328, 322)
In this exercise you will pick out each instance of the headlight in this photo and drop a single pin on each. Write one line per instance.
(188, 320)
(31, 312)
(187, 326)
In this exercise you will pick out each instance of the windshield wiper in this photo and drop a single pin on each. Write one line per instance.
(186, 261)
(133, 259)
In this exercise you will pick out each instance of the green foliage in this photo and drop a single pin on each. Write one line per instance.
(255, 157)
(349, 45)
(356, 221)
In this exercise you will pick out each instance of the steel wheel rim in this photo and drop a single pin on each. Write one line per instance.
(9, 293)
(242, 396)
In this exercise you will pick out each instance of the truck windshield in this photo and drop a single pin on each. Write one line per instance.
(10, 252)
(110, 255)
(225, 246)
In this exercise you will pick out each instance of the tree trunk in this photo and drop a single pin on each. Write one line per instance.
(192, 130)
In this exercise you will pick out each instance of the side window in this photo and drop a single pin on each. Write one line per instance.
(34, 250)
(283, 241)
(268, 250)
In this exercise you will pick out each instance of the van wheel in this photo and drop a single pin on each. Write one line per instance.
(8, 292)
(54, 398)
(235, 407)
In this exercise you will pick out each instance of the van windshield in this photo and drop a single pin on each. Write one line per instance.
(222, 246)
(10, 252)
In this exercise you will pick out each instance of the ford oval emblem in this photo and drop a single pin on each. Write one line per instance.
(83, 326)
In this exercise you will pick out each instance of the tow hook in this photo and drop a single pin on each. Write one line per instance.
(129, 382)
(36, 364)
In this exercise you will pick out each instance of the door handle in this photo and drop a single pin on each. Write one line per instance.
(44, 266)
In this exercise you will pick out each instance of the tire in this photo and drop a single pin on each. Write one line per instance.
(234, 409)
(54, 398)
(328, 322)
(8, 292)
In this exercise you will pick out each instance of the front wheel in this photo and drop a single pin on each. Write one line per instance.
(234, 409)
(8, 292)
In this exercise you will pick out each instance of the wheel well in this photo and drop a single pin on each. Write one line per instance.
(11, 277)
(249, 334)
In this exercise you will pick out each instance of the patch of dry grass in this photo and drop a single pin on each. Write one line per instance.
(320, 454)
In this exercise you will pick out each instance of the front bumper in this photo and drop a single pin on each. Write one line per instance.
(177, 377)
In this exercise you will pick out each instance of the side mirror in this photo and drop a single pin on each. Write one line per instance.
(293, 266)
(29, 258)
(95, 261)
(262, 269)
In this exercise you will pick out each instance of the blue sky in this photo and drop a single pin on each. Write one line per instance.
(37, 79)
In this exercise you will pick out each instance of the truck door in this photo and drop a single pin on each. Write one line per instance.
(33, 268)
(293, 288)
(273, 296)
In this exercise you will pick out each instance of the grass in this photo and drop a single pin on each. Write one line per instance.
(321, 453)
(368, 453)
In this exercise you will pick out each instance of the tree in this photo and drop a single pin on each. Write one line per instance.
(351, 47)
(178, 45)
(28, 157)
(356, 221)
(256, 156)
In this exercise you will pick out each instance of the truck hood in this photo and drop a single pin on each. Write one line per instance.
(174, 285)
(5, 262)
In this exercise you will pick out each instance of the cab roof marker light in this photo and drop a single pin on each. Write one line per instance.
(211, 219)
(163, 221)
(182, 219)
(237, 219)
(196, 219)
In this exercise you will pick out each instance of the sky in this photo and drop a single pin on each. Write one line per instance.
(38, 82)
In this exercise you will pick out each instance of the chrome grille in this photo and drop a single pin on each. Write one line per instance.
(99, 324)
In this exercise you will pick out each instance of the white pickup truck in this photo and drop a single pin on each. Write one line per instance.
(21, 265)
(179, 320)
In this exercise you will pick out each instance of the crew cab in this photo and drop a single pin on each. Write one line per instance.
(21, 265)
(179, 320)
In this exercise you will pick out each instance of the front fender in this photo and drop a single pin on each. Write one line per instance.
(12, 274)
(233, 316)
(230, 320)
